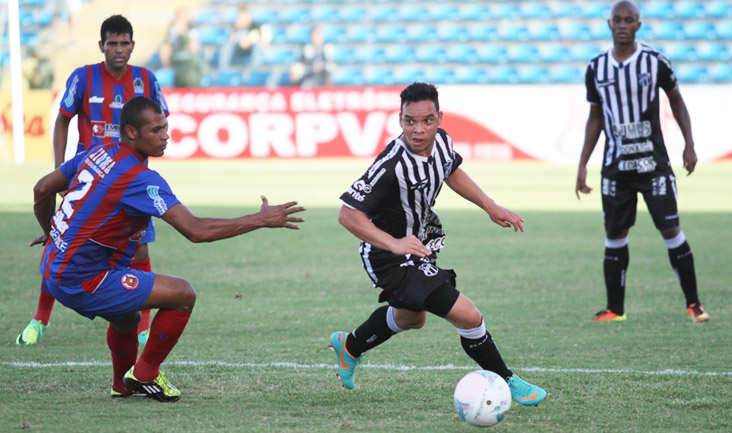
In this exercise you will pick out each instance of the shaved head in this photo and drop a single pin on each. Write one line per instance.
(632, 7)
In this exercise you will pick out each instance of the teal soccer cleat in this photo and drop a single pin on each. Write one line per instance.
(346, 363)
(525, 393)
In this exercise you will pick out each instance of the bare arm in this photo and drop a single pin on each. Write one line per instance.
(593, 128)
(681, 114)
(361, 226)
(60, 136)
(461, 183)
(44, 202)
(212, 229)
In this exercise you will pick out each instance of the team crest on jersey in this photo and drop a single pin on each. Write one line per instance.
(429, 269)
(645, 79)
(138, 86)
(98, 129)
(117, 103)
(130, 281)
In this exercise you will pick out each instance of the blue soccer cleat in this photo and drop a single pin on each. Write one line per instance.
(525, 393)
(346, 363)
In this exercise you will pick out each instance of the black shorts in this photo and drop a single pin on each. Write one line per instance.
(620, 200)
(408, 286)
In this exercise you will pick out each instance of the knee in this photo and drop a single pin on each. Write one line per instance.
(128, 323)
(417, 323)
(186, 296)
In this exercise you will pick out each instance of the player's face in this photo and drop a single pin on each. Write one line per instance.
(624, 23)
(152, 138)
(117, 50)
(419, 121)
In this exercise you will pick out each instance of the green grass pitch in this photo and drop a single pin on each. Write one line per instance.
(254, 356)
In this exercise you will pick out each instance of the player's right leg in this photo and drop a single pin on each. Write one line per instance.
(478, 343)
(175, 298)
(33, 331)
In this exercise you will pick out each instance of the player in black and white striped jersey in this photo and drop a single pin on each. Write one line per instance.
(623, 87)
(390, 208)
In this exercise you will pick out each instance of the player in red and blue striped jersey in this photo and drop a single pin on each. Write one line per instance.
(96, 94)
(110, 197)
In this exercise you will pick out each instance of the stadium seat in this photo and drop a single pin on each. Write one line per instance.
(523, 53)
(564, 73)
(297, 34)
(506, 12)
(334, 34)
(295, 14)
(413, 13)
(378, 76)
(667, 30)
(347, 76)
(721, 72)
(408, 74)
(566, 10)
(265, 15)
(544, 31)
(576, 31)
(475, 12)
(502, 75)
(482, 33)
(213, 35)
(513, 32)
(592, 9)
(353, 14)
(724, 30)
(382, 13)
(431, 53)
(451, 32)
(445, 12)
(692, 73)
(584, 52)
(492, 53)
(681, 52)
(400, 53)
(471, 75)
(370, 54)
(713, 52)
(227, 79)
(391, 33)
(440, 75)
(359, 34)
(658, 9)
(343, 54)
(256, 78)
(462, 53)
(421, 33)
(689, 9)
(699, 29)
(554, 53)
(535, 10)
(325, 14)
(532, 74)
(281, 55)
(718, 9)
(165, 76)
(600, 31)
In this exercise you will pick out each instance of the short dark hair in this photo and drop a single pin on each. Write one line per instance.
(132, 113)
(117, 25)
(417, 92)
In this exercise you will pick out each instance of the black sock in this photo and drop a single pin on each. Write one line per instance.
(484, 351)
(614, 268)
(683, 263)
(370, 334)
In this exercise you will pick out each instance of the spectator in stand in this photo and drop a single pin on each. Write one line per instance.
(316, 58)
(245, 43)
(188, 62)
(38, 69)
(175, 39)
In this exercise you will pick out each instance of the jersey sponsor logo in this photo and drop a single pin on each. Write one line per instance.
(153, 191)
(645, 79)
(640, 165)
(360, 185)
(111, 130)
(98, 129)
(407, 263)
(100, 162)
(422, 184)
(60, 244)
(658, 186)
(629, 149)
(69, 99)
(138, 85)
(436, 244)
(355, 194)
(117, 102)
(604, 83)
(130, 281)
(96, 99)
(632, 130)
(609, 187)
(429, 269)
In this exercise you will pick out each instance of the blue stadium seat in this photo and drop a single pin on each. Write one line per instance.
(256, 78)
(523, 53)
(535, 10)
(576, 31)
(280, 56)
(554, 53)
(165, 76)
(4, 58)
(681, 52)
(513, 32)
(724, 29)
(689, 9)
(721, 72)
(391, 33)
(492, 53)
(593, 10)
(718, 9)
(658, 9)
(475, 12)
(544, 31)
(413, 13)
(325, 14)
(359, 33)
(440, 75)
(584, 52)
(452, 32)
(206, 16)
(471, 75)
(599, 30)
(714, 52)
(444, 12)
(667, 30)
(421, 33)
(353, 13)
(502, 75)
(343, 54)
(699, 29)
(212, 35)
(482, 33)
(295, 14)
(506, 12)
(265, 15)
(408, 74)
(400, 53)
(564, 73)
(382, 13)
(532, 74)
(378, 76)
(692, 73)
(566, 10)
(334, 34)
(345, 76)
(431, 53)
(370, 54)
(297, 34)
(227, 78)
(462, 53)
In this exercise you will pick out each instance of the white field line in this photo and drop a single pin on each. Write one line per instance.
(394, 367)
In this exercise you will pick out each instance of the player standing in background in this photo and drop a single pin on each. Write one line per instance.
(623, 88)
(91, 238)
(390, 208)
(96, 93)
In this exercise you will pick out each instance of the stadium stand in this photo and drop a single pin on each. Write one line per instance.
(467, 42)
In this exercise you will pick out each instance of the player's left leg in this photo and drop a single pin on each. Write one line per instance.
(477, 342)
(33, 331)
(141, 262)
(122, 342)
(661, 202)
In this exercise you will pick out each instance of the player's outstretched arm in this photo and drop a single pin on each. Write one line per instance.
(593, 128)
(361, 226)
(461, 183)
(198, 229)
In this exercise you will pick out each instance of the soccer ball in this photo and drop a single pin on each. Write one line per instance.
(482, 398)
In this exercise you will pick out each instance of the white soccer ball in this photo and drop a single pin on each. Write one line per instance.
(482, 398)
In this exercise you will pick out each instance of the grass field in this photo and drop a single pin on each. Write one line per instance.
(254, 356)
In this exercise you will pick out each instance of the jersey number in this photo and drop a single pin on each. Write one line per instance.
(67, 207)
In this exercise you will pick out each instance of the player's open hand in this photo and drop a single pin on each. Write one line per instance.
(409, 245)
(40, 240)
(581, 186)
(280, 215)
(506, 218)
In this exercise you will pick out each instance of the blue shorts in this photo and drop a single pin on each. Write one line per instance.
(149, 234)
(113, 294)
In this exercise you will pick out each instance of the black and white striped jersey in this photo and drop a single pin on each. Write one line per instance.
(399, 190)
(629, 94)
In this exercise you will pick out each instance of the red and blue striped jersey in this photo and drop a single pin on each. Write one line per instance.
(97, 98)
(104, 214)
